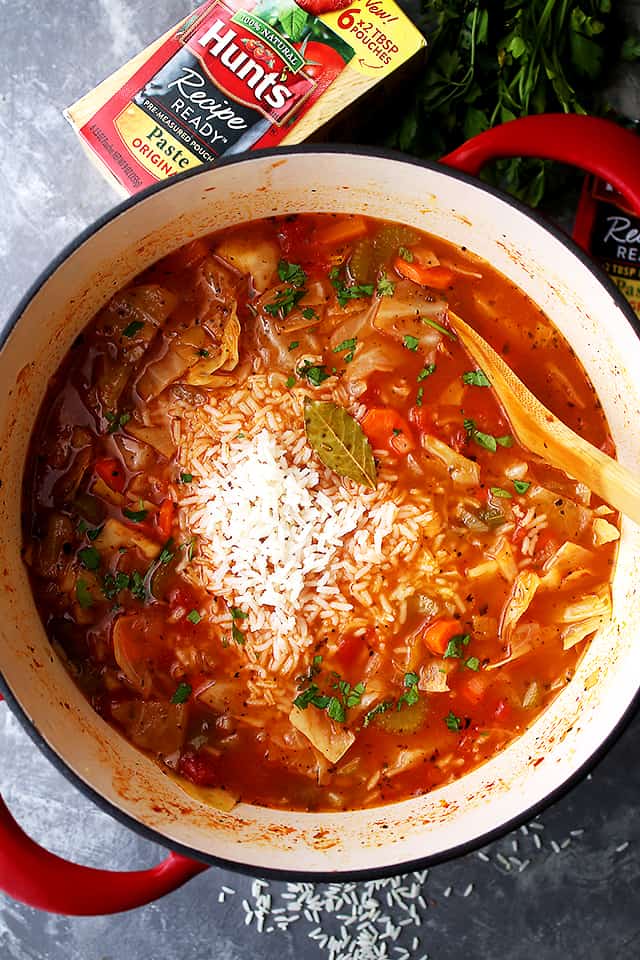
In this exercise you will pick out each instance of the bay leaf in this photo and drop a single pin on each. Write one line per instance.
(339, 441)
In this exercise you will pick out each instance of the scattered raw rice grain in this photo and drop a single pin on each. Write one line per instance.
(622, 847)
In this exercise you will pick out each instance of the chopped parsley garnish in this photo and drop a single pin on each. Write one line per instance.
(500, 492)
(379, 708)
(472, 663)
(405, 254)
(336, 710)
(137, 587)
(453, 723)
(93, 534)
(290, 381)
(136, 516)
(203, 353)
(385, 288)
(238, 614)
(115, 421)
(111, 585)
(455, 647)
(345, 293)
(309, 314)
(238, 635)
(396, 431)
(284, 302)
(411, 343)
(294, 343)
(89, 558)
(426, 372)
(346, 345)
(134, 327)
(438, 326)
(194, 617)
(182, 694)
(411, 695)
(292, 273)
(190, 547)
(167, 554)
(419, 396)
(83, 594)
(521, 486)
(476, 378)
(186, 478)
(335, 704)
(315, 373)
(486, 440)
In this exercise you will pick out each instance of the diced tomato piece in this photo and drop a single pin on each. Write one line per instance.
(547, 545)
(439, 632)
(111, 471)
(200, 768)
(164, 519)
(438, 278)
(480, 405)
(422, 419)
(182, 595)
(351, 649)
(386, 429)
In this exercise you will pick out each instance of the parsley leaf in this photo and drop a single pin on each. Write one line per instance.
(411, 694)
(115, 421)
(167, 554)
(521, 486)
(83, 594)
(194, 617)
(182, 694)
(419, 396)
(89, 558)
(336, 710)
(290, 381)
(186, 478)
(95, 533)
(295, 343)
(346, 345)
(315, 373)
(134, 327)
(375, 711)
(438, 326)
(136, 516)
(137, 587)
(345, 293)
(385, 288)
(238, 614)
(472, 663)
(500, 492)
(453, 723)
(309, 314)
(411, 343)
(426, 372)
(486, 440)
(476, 378)
(238, 635)
(292, 273)
(405, 254)
(285, 301)
(455, 647)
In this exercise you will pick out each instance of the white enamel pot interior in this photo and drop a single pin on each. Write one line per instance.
(576, 726)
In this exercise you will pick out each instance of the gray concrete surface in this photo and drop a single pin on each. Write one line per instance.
(578, 902)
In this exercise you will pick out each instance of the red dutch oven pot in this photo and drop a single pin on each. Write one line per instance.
(439, 826)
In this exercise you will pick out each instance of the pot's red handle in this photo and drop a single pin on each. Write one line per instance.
(32, 875)
(40, 879)
(598, 146)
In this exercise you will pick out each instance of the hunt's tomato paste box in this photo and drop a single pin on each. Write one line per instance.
(237, 75)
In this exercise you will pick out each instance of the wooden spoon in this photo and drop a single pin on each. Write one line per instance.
(541, 432)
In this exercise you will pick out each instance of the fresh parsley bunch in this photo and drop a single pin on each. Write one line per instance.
(490, 62)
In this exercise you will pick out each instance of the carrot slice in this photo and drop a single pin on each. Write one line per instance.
(111, 471)
(438, 634)
(386, 429)
(164, 520)
(438, 278)
(341, 231)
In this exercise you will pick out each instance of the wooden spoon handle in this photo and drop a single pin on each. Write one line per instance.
(541, 432)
